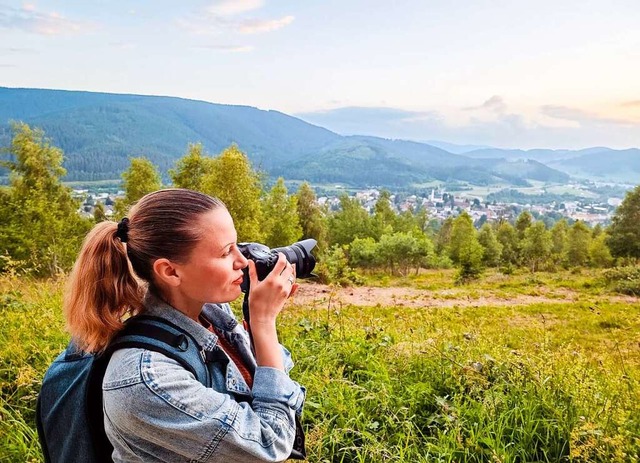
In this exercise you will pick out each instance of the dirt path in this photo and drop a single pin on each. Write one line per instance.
(312, 294)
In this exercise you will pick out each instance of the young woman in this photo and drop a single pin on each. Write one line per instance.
(176, 257)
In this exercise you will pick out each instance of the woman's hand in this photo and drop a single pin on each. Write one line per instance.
(267, 297)
(266, 300)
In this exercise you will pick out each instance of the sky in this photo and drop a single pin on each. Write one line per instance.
(561, 74)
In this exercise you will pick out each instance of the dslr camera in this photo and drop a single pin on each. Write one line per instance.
(298, 254)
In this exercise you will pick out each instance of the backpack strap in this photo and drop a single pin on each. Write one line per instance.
(151, 333)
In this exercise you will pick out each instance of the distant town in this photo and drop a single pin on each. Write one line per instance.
(438, 203)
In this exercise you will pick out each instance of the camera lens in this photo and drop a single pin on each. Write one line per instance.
(299, 254)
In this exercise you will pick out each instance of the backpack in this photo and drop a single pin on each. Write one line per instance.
(69, 414)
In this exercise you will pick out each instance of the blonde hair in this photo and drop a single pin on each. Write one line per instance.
(109, 278)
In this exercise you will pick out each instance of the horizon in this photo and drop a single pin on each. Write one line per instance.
(526, 76)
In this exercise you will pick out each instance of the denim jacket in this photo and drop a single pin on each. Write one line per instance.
(157, 411)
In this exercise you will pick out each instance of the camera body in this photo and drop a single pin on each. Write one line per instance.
(298, 254)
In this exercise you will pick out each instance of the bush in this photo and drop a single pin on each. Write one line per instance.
(334, 267)
(625, 280)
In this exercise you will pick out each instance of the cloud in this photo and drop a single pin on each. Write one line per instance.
(510, 130)
(29, 19)
(495, 104)
(228, 48)
(583, 117)
(17, 50)
(631, 104)
(233, 7)
(229, 16)
(258, 26)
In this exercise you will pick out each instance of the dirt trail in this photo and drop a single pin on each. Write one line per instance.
(312, 294)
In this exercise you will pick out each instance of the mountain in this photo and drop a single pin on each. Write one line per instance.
(603, 164)
(99, 132)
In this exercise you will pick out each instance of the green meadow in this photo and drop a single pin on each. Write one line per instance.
(519, 368)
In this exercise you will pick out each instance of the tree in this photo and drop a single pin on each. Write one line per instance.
(536, 245)
(624, 231)
(239, 186)
(443, 238)
(508, 238)
(464, 249)
(281, 223)
(190, 169)
(524, 221)
(492, 249)
(559, 234)
(41, 230)
(98, 213)
(578, 242)
(599, 254)
(384, 218)
(313, 219)
(364, 252)
(350, 222)
(142, 177)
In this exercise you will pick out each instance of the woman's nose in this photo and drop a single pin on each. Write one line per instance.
(241, 261)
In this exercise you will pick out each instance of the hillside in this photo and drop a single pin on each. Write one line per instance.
(99, 132)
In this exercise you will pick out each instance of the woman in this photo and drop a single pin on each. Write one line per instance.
(176, 257)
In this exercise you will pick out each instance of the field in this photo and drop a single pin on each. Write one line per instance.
(518, 368)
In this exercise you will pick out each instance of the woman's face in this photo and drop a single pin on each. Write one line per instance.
(213, 271)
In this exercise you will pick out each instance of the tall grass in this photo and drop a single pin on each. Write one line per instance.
(538, 383)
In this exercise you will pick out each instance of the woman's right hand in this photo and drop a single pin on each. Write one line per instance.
(267, 297)
(266, 300)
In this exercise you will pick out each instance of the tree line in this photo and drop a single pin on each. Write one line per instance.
(41, 230)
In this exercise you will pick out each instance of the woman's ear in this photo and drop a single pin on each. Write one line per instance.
(166, 272)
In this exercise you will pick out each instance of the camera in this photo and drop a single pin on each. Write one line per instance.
(298, 254)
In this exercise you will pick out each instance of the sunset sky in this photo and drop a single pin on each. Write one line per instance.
(513, 74)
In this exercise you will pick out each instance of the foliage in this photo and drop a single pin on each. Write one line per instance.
(281, 223)
(599, 254)
(41, 230)
(464, 249)
(239, 186)
(578, 243)
(624, 232)
(334, 268)
(541, 382)
(536, 245)
(508, 238)
(350, 222)
(142, 177)
(559, 243)
(313, 218)
(625, 280)
(492, 249)
(191, 168)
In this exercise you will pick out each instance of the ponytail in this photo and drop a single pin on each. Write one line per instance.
(102, 289)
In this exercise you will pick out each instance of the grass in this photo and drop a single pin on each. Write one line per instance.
(554, 382)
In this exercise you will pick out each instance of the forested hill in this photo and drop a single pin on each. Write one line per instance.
(99, 132)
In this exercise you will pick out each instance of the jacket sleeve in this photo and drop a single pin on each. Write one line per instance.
(166, 411)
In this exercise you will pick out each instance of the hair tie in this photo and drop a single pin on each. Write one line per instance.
(123, 230)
